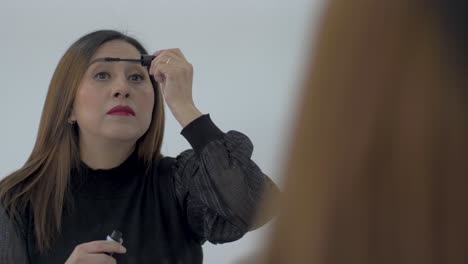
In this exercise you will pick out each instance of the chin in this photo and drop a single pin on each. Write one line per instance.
(128, 134)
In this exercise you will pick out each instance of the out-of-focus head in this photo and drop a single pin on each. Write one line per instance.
(377, 168)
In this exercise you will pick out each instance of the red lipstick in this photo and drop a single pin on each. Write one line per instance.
(122, 110)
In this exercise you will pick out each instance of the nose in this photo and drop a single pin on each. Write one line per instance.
(121, 89)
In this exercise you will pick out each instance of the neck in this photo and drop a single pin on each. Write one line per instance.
(104, 154)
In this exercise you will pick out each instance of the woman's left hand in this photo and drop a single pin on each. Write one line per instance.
(174, 74)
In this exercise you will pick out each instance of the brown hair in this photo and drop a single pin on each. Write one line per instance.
(377, 170)
(40, 187)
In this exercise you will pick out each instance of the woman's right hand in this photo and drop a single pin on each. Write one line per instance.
(95, 252)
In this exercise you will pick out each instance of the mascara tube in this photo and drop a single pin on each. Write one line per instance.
(115, 236)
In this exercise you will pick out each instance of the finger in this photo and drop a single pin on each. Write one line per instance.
(158, 60)
(175, 53)
(170, 59)
(161, 60)
(102, 246)
(160, 71)
(157, 53)
(178, 53)
(161, 53)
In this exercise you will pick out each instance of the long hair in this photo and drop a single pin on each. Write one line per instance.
(41, 186)
(378, 161)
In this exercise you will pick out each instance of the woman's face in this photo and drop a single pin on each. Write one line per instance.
(107, 85)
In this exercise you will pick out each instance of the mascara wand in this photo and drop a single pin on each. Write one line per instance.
(145, 60)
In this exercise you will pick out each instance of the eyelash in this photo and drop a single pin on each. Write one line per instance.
(100, 73)
(141, 77)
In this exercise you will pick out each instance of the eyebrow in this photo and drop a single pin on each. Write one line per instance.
(113, 59)
(144, 60)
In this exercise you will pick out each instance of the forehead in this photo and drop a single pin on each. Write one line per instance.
(116, 48)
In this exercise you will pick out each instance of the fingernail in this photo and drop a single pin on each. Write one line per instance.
(123, 249)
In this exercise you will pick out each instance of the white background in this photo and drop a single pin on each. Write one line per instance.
(248, 58)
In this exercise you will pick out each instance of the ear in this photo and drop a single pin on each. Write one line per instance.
(72, 117)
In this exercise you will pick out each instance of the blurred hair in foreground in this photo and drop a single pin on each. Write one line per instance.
(378, 166)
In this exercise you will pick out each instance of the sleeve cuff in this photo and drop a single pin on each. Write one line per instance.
(200, 132)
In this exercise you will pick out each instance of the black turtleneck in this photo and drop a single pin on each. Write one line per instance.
(207, 193)
(121, 198)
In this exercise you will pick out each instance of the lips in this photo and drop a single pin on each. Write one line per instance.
(122, 110)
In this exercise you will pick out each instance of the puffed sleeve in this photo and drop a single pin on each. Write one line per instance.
(12, 241)
(217, 184)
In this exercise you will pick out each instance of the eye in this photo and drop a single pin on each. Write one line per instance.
(102, 76)
(136, 77)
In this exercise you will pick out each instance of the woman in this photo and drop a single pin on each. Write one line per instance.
(378, 165)
(97, 166)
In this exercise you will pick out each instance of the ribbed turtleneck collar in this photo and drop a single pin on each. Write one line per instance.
(106, 183)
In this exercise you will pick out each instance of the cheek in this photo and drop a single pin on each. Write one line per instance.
(146, 101)
(87, 102)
